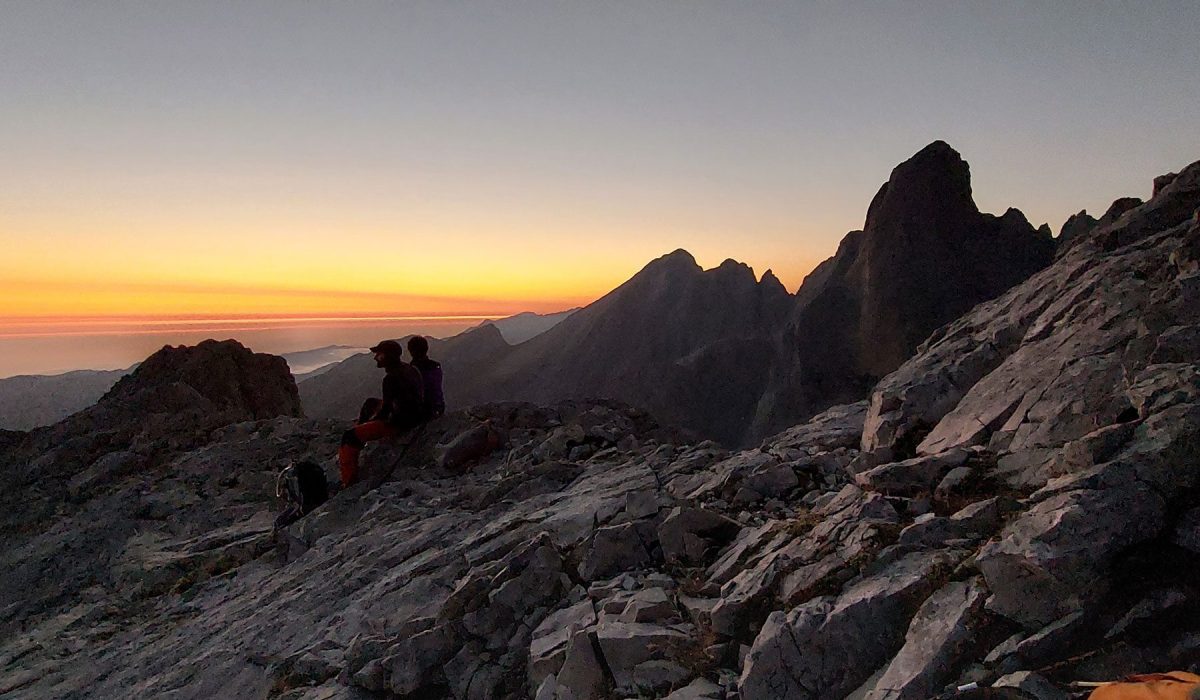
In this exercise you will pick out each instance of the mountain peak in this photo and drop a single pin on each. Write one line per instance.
(677, 261)
(935, 179)
(679, 256)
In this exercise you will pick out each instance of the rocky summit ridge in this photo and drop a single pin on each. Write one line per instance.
(1012, 507)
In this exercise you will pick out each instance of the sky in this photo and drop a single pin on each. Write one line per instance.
(241, 161)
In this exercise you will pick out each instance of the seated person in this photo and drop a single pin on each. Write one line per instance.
(401, 408)
(431, 376)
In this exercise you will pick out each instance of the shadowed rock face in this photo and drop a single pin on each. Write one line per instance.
(925, 256)
(929, 255)
(685, 343)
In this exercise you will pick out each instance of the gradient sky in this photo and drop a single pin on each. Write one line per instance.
(218, 158)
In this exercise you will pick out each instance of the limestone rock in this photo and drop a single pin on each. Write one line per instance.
(940, 637)
(468, 446)
(687, 534)
(648, 605)
(1050, 560)
(582, 675)
(699, 689)
(1032, 684)
(917, 475)
(548, 645)
(614, 549)
(627, 645)
(828, 646)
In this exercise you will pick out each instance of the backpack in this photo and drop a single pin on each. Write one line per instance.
(303, 484)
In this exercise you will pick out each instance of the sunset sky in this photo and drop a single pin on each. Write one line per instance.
(222, 160)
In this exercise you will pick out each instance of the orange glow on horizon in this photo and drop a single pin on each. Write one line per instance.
(66, 272)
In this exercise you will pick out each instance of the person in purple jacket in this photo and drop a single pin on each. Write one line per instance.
(431, 376)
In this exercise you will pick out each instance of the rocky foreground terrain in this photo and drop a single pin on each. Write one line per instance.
(1014, 507)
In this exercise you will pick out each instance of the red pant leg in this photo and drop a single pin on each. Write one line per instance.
(348, 452)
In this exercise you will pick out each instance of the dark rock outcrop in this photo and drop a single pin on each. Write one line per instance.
(925, 256)
(1075, 226)
(220, 376)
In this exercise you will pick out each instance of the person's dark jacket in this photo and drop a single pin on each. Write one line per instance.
(431, 376)
(403, 396)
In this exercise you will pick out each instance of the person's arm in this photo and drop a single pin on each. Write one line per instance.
(438, 400)
(389, 398)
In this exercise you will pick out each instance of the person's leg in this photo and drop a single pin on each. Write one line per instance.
(352, 444)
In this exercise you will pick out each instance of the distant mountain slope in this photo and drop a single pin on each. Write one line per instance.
(682, 342)
(309, 363)
(31, 401)
(523, 326)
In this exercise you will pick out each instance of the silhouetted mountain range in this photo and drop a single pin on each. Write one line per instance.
(735, 358)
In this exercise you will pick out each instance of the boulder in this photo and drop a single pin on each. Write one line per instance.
(1033, 685)
(943, 633)
(829, 646)
(648, 605)
(913, 476)
(415, 662)
(626, 645)
(614, 549)
(468, 446)
(582, 674)
(549, 641)
(687, 534)
(1055, 557)
(699, 689)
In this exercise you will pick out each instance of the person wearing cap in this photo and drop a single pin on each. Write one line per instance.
(400, 409)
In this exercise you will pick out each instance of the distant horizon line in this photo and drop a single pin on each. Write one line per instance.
(67, 326)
